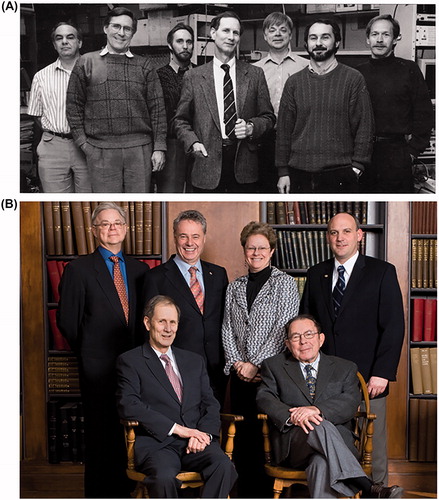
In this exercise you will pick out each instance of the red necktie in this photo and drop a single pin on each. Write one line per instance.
(196, 288)
(120, 285)
(175, 381)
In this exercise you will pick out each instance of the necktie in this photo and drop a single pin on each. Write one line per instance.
(182, 71)
(196, 288)
(229, 101)
(337, 293)
(175, 381)
(120, 285)
(310, 381)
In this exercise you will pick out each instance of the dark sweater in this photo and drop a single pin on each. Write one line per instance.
(114, 101)
(171, 84)
(325, 121)
(400, 100)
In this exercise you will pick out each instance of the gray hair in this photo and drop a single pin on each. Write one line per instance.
(193, 215)
(107, 205)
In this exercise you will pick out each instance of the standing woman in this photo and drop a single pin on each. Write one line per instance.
(258, 306)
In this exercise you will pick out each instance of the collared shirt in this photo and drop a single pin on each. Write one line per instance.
(276, 74)
(314, 365)
(184, 269)
(106, 51)
(48, 97)
(176, 67)
(322, 71)
(106, 254)
(349, 267)
(218, 75)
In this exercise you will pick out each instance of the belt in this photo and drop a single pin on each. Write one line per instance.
(389, 138)
(60, 134)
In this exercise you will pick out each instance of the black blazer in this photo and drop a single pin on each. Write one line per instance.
(145, 394)
(369, 328)
(91, 317)
(283, 386)
(200, 333)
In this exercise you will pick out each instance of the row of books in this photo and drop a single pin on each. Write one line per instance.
(422, 430)
(423, 361)
(424, 217)
(303, 249)
(63, 375)
(68, 227)
(55, 269)
(65, 431)
(424, 320)
(424, 255)
(313, 212)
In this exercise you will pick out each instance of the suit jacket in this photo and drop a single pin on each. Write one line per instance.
(369, 328)
(91, 317)
(283, 386)
(145, 394)
(197, 120)
(200, 333)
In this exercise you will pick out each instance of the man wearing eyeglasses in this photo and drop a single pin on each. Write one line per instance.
(311, 399)
(100, 315)
(116, 111)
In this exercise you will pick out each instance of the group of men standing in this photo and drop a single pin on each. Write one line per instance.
(110, 119)
(102, 312)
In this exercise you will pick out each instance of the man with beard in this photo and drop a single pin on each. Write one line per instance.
(181, 44)
(325, 125)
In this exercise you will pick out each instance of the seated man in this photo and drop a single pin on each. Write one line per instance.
(168, 391)
(311, 399)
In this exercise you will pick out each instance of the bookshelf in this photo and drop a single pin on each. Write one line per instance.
(422, 401)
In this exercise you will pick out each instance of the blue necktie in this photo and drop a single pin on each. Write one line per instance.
(310, 381)
(338, 292)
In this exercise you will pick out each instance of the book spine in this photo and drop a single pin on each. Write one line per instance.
(429, 319)
(147, 227)
(49, 237)
(417, 319)
(156, 228)
(66, 218)
(86, 215)
(415, 363)
(427, 385)
(57, 228)
(78, 223)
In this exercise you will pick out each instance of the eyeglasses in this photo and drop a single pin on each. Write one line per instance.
(117, 27)
(106, 225)
(259, 249)
(295, 337)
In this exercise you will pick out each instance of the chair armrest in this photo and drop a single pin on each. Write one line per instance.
(129, 423)
(229, 420)
(130, 439)
(266, 436)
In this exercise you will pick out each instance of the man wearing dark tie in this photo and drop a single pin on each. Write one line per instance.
(223, 111)
(198, 288)
(99, 314)
(167, 390)
(358, 302)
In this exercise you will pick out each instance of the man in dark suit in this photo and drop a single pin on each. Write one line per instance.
(357, 300)
(221, 129)
(167, 390)
(310, 399)
(200, 328)
(99, 325)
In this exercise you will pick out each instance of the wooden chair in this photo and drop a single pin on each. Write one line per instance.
(188, 479)
(285, 477)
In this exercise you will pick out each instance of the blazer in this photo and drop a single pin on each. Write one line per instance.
(200, 333)
(369, 328)
(91, 317)
(144, 393)
(261, 333)
(283, 386)
(197, 120)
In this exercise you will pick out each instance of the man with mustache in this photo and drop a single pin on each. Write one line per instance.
(181, 44)
(325, 124)
(402, 108)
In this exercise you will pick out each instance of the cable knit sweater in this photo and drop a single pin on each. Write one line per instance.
(325, 121)
(114, 101)
(256, 335)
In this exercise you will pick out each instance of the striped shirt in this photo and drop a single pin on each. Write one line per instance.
(48, 97)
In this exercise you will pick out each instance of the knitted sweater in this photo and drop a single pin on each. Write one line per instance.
(325, 121)
(172, 83)
(114, 101)
(400, 100)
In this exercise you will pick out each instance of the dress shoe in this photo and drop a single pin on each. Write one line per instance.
(380, 491)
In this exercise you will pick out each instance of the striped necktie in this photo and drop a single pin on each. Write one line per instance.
(172, 376)
(310, 381)
(196, 290)
(229, 102)
(119, 283)
(338, 292)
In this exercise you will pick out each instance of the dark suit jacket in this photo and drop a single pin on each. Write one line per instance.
(91, 317)
(369, 328)
(200, 333)
(145, 394)
(197, 120)
(283, 386)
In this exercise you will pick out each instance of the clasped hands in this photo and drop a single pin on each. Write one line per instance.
(305, 417)
(246, 371)
(197, 440)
